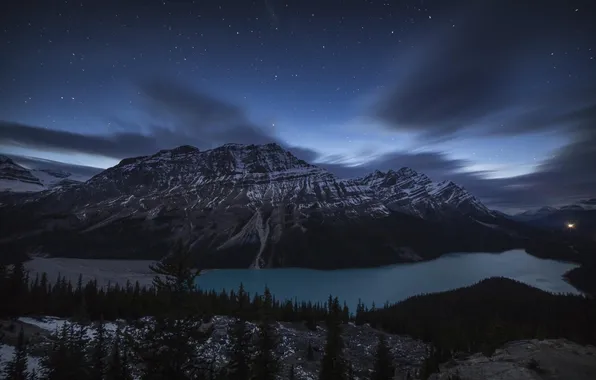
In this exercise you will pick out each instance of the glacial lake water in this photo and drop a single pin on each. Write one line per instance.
(396, 282)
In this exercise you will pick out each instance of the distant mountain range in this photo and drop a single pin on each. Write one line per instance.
(578, 218)
(16, 178)
(252, 206)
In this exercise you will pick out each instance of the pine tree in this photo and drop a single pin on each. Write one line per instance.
(266, 365)
(242, 301)
(98, 353)
(67, 358)
(117, 368)
(333, 366)
(16, 289)
(16, 369)
(292, 374)
(430, 364)
(168, 347)
(32, 375)
(383, 368)
(310, 353)
(239, 365)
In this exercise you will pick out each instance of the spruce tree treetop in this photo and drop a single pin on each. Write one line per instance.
(16, 369)
(383, 367)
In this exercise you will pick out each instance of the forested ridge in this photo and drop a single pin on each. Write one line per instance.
(483, 316)
(475, 318)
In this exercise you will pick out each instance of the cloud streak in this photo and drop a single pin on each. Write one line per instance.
(472, 74)
(183, 116)
(179, 116)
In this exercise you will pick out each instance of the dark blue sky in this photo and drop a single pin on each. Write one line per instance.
(498, 95)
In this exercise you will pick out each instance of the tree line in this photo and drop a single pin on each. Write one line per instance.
(484, 316)
(476, 318)
(164, 346)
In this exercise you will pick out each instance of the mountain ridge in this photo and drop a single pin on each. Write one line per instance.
(253, 206)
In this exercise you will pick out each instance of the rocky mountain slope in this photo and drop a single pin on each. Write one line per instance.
(294, 338)
(410, 192)
(16, 178)
(252, 205)
(525, 360)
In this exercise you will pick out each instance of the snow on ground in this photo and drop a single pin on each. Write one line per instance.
(294, 339)
(7, 353)
(54, 324)
(19, 186)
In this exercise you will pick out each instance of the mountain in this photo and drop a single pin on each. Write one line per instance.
(413, 193)
(252, 205)
(576, 219)
(534, 214)
(16, 178)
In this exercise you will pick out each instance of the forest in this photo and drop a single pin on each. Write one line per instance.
(480, 317)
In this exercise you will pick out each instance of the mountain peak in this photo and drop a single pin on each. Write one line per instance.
(408, 191)
(406, 171)
(185, 149)
(238, 146)
(6, 160)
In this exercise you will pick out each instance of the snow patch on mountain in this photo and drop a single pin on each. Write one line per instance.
(17, 178)
(14, 177)
(408, 191)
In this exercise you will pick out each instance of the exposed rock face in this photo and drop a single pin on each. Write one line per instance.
(251, 205)
(526, 360)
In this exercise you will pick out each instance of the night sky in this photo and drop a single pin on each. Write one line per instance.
(499, 96)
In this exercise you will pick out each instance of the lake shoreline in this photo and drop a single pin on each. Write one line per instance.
(381, 284)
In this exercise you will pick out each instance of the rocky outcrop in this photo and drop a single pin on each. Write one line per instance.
(293, 341)
(526, 360)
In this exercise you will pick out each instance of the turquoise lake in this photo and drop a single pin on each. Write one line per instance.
(396, 282)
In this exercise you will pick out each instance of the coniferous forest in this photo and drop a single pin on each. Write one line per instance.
(476, 318)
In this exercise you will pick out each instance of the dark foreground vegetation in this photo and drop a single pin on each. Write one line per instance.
(584, 278)
(484, 316)
(476, 318)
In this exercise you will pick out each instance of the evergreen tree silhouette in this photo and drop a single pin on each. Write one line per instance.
(265, 365)
(32, 375)
(168, 346)
(383, 367)
(310, 353)
(333, 365)
(239, 365)
(66, 359)
(117, 368)
(98, 353)
(16, 369)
